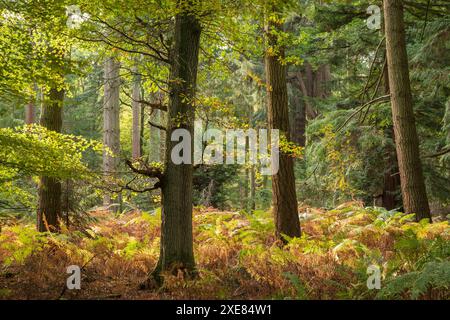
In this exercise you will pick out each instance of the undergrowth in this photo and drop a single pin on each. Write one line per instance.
(237, 256)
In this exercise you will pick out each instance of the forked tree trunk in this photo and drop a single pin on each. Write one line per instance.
(176, 251)
(49, 207)
(407, 143)
(285, 207)
(111, 120)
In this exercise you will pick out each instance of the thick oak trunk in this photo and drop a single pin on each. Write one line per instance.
(176, 251)
(285, 208)
(407, 143)
(49, 207)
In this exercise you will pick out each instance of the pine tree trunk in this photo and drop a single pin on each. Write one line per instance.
(111, 120)
(285, 207)
(391, 186)
(49, 207)
(407, 143)
(176, 231)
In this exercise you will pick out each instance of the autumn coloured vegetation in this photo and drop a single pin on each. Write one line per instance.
(237, 255)
(224, 150)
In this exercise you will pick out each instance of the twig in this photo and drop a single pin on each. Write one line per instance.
(426, 20)
(376, 89)
(81, 269)
(158, 106)
(379, 99)
(160, 127)
(372, 65)
(438, 154)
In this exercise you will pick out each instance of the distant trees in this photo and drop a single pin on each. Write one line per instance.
(414, 193)
(111, 120)
(136, 116)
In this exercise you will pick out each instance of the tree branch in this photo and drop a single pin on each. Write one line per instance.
(151, 172)
(379, 99)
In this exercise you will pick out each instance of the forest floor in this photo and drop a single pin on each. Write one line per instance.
(237, 257)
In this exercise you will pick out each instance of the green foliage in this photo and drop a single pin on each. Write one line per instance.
(34, 151)
(432, 281)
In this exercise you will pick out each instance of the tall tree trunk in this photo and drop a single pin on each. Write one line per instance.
(253, 188)
(391, 186)
(407, 143)
(136, 106)
(111, 120)
(49, 207)
(142, 127)
(176, 251)
(285, 207)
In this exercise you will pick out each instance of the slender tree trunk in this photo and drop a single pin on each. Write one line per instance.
(49, 207)
(111, 120)
(142, 128)
(285, 207)
(136, 106)
(407, 143)
(155, 137)
(253, 188)
(246, 189)
(176, 251)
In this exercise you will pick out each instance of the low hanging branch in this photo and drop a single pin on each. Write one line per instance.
(156, 52)
(148, 171)
(372, 65)
(152, 105)
(160, 127)
(128, 186)
(145, 170)
(376, 89)
(438, 154)
(377, 100)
